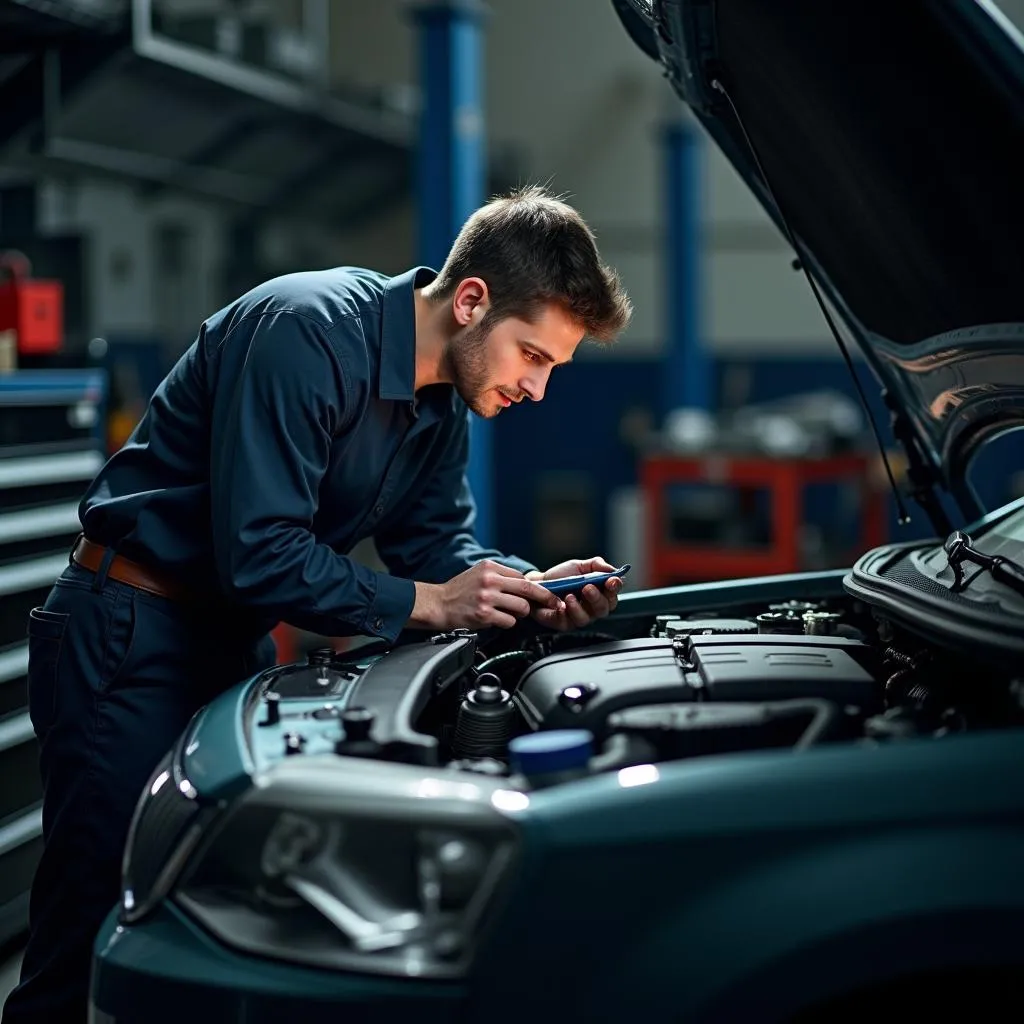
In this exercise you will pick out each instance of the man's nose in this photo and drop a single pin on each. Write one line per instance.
(534, 385)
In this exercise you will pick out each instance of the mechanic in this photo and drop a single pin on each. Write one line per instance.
(318, 409)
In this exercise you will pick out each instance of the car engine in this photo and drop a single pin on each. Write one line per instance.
(795, 674)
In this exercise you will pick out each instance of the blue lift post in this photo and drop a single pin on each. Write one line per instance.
(452, 175)
(688, 379)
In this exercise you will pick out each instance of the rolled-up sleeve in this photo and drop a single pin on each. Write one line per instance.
(274, 417)
(435, 540)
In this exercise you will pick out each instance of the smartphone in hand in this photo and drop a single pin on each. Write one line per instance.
(574, 584)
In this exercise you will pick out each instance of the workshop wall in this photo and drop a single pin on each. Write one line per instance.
(153, 264)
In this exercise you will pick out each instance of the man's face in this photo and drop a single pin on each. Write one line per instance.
(512, 360)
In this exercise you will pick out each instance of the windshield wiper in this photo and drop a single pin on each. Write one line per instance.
(959, 549)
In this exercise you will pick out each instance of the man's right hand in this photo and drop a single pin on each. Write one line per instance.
(487, 594)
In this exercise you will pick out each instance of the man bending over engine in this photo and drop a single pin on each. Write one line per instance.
(318, 409)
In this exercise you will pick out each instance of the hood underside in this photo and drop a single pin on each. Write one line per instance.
(890, 136)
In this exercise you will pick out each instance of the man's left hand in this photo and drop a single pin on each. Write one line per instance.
(579, 610)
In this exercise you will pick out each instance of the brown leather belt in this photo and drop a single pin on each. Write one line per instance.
(90, 556)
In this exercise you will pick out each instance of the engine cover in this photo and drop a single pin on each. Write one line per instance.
(580, 689)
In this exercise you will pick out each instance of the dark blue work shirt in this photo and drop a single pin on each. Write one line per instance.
(288, 432)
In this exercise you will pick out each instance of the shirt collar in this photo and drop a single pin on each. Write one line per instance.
(398, 334)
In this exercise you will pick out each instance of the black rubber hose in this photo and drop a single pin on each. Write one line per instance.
(503, 659)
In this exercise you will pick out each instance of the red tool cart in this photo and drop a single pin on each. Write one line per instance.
(677, 561)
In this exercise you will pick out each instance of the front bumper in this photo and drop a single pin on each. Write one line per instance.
(166, 970)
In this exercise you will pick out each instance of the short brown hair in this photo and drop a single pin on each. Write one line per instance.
(533, 249)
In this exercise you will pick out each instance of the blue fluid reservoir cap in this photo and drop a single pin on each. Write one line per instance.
(559, 750)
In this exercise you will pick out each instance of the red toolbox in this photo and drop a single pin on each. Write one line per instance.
(32, 309)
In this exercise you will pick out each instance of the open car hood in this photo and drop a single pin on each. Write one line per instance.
(890, 135)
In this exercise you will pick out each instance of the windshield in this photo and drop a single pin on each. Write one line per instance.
(1005, 538)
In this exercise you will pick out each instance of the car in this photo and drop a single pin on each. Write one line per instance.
(788, 798)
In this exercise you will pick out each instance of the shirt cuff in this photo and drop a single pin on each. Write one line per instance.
(390, 608)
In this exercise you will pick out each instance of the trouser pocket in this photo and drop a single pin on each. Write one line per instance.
(45, 640)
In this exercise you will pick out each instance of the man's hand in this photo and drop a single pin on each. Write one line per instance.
(592, 603)
(488, 594)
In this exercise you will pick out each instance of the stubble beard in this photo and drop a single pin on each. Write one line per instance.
(466, 365)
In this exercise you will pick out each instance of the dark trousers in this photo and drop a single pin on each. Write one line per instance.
(114, 676)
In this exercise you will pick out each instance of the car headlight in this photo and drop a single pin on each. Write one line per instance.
(166, 827)
(339, 862)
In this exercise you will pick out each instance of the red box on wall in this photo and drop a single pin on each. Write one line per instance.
(33, 309)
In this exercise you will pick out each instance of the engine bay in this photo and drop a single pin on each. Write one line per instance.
(793, 674)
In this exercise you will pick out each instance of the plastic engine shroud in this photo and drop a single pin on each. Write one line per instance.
(580, 689)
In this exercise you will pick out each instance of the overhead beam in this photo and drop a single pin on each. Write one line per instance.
(386, 125)
(25, 91)
(287, 195)
(216, 148)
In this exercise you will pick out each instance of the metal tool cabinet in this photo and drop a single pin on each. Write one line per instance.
(51, 445)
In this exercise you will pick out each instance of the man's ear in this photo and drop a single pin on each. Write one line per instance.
(470, 301)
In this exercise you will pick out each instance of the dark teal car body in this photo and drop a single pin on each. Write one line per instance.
(805, 799)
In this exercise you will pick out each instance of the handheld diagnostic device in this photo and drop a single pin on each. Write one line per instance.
(574, 584)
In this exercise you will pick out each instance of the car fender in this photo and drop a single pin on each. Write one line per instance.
(838, 915)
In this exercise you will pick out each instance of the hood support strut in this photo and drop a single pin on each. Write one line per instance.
(920, 474)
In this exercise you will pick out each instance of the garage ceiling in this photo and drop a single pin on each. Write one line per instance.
(83, 87)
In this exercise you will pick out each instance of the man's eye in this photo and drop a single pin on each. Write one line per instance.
(530, 357)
